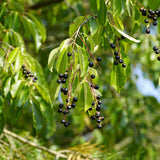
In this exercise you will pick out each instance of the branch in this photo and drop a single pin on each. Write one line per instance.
(44, 3)
(23, 140)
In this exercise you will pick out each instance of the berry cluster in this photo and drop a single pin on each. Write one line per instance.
(152, 15)
(62, 78)
(28, 74)
(157, 51)
(65, 109)
(117, 55)
(97, 107)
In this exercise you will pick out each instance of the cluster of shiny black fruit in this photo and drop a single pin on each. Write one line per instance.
(97, 116)
(62, 78)
(65, 109)
(96, 105)
(117, 58)
(28, 74)
(152, 15)
(157, 51)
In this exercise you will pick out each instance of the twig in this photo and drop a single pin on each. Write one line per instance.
(23, 140)
(41, 4)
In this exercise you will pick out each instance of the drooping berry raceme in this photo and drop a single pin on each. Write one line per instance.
(27, 74)
(157, 51)
(152, 15)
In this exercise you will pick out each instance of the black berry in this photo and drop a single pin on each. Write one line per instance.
(155, 23)
(115, 62)
(98, 108)
(99, 126)
(158, 58)
(26, 76)
(98, 121)
(36, 78)
(61, 75)
(69, 107)
(62, 89)
(31, 75)
(155, 48)
(123, 65)
(59, 81)
(63, 81)
(28, 72)
(115, 53)
(91, 64)
(23, 66)
(93, 103)
(98, 97)
(98, 114)
(66, 124)
(121, 61)
(75, 99)
(117, 57)
(24, 72)
(93, 117)
(96, 86)
(60, 105)
(69, 54)
(99, 102)
(99, 59)
(64, 112)
(63, 121)
(65, 76)
(90, 109)
(112, 46)
(59, 110)
(73, 105)
(92, 76)
(157, 51)
(146, 20)
(147, 31)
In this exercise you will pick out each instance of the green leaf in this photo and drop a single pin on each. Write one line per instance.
(16, 39)
(52, 57)
(129, 7)
(37, 115)
(12, 21)
(12, 55)
(62, 61)
(7, 86)
(3, 11)
(43, 92)
(31, 29)
(83, 60)
(47, 113)
(117, 7)
(118, 77)
(21, 96)
(127, 36)
(18, 62)
(39, 26)
(85, 97)
(15, 87)
(2, 123)
(76, 23)
(102, 12)
(93, 26)
(93, 5)
(153, 4)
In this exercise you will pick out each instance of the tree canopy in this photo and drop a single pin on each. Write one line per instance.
(79, 79)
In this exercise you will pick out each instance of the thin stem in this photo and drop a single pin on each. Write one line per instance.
(89, 51)
(23, 140)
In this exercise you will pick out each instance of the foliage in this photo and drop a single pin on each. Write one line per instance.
(40, 35)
